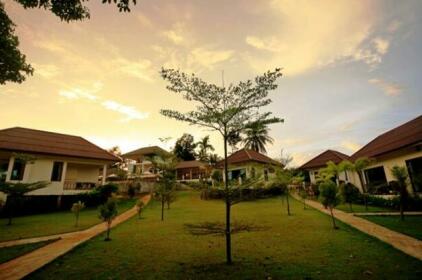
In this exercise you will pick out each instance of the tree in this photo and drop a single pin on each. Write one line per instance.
(115, 150)
(76, 209)
(107, 213)
(13, 65)
(349, 193)
(304, 195)
(167, 179)
(345, 166)
(329, 197)
(358, 166)
(400, 174)
(223, 109)
(256, 137)
(233, 139)
(139, 206)
(205, 146)
(285, 159)
(15, 193)
(184, 149)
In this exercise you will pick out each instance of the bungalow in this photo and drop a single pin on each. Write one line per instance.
(400, 146)
(320, 161)
(245, 164)
(192, 170)
(142, 166)
(69, 164)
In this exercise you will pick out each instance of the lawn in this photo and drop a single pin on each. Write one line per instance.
(303, 245)
(412, 225)
(53, 223)
(9, 253)
(359, 208)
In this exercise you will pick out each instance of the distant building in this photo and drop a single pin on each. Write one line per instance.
(320, 161)
(69, 164)
(193, 170)
(400, 146)
(245, 164)
(141, 165)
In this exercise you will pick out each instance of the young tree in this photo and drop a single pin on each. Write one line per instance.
(400, 174)
(256, 137)
(184, 148)
(329, 197)
(107, 213)
(284, 178)
(358, 166)
(13, 66)
(76, 209)
(15, 193)
(304, 195)
(226, 110)
(349, 193)
(139, 206)
(205, 146)
(167, 180)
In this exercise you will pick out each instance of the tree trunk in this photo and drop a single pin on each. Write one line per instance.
(108, 231)
(332, 217)
(162, 208)
(363, 190)
(287, 200)
(226, 189)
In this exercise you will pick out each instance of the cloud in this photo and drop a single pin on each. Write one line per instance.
(351, 146)
(78, 93)
(46, 71)
(394, 26)
(177, 34)
(310, 38)
(208, 57)
(389, 88)
(130, 112)
(141, 69)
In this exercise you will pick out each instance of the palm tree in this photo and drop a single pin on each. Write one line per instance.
(256, 137)
(15, 193)
(204, 146)
(400, 174)
(359, 165)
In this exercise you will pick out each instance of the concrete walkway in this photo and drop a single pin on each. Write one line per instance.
(385, 214)
(28, 263)
(404, 243)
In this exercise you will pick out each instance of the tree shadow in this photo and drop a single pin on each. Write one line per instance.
(218, 228)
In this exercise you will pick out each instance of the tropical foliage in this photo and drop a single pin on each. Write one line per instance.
(107, 213)
(223, 109)
(256, 137)
(76, 209)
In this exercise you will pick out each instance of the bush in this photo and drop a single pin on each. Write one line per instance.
(131, 191)
(105, 191)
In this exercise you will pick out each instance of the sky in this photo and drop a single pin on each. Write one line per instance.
(351, 69)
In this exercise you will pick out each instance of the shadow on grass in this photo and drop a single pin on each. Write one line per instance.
(218, 228)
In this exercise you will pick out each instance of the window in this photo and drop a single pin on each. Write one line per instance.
(266, 174)
(3, 169)
(17, 171)
(414, 166)
(375, 176)
(56, 174)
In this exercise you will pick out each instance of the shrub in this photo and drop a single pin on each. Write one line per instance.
(349, 193)
(329, 196)
(131, 191)
(105, 191)
(107, 213)
(76, 209)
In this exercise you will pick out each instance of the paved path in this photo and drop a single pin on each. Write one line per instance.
(404, 243)
(385, 214)
(28, 263)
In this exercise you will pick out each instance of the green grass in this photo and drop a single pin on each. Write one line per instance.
(53, 223)
(10, 253)
(300, 246)
(359, 208)
(412, 225)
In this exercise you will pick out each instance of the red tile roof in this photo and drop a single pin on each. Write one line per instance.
(403, 136)
(18, 139)
(145, 151)
(322, 159)
(246, 155)
(191, 164)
